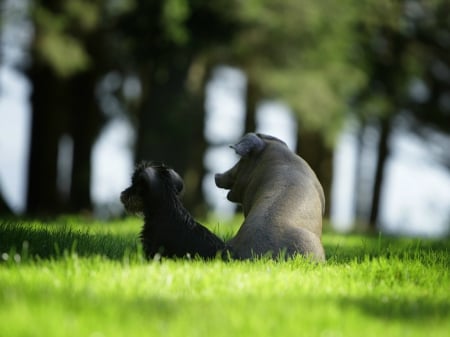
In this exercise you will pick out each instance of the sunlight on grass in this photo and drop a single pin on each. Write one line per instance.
(101, 286)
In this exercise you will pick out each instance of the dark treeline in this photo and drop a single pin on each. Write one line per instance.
(384, 63)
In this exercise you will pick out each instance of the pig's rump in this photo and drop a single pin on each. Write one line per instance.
(283, 241)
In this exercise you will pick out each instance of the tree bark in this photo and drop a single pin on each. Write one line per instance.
(164, 122)
(48, 120)
(85, 124)
(383, 155)
(251, 104)
(171, 130)
(4, 207)
(312, 148)
(195, 170)
(362, 198)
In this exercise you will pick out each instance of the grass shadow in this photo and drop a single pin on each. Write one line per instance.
(343, 249)
(417, 309)
(53, 240)
(30, 241)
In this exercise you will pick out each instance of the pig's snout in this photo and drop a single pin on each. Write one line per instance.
(222, 181)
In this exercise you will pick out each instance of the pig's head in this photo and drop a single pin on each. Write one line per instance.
(251, 149)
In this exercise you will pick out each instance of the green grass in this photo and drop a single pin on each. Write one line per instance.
(70, 277)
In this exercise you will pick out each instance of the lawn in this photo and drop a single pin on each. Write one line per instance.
(72, 277)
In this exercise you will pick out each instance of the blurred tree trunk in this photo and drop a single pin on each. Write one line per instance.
(162, 49)
(47, 124)
(195, 170)
(363, 186)
(171, 129)
(383, 155)
(4, 207)
(86, 121)
(63, 102)
(312, 148)
(164, 120)
(251, 104)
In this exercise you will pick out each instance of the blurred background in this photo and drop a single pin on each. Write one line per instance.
(359, 88)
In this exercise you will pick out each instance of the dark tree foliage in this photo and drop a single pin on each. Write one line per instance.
(69, 56)
(168, 45)
(380, 59)
(171, 55)
(401, 51)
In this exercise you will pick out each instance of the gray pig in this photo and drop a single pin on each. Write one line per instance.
(281, 197)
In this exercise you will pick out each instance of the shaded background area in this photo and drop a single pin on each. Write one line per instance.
(360, 89)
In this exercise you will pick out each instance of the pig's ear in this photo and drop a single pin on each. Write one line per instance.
(177, 181)
(250, 143)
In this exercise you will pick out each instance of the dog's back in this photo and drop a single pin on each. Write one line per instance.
(179, 235)
(169, 229)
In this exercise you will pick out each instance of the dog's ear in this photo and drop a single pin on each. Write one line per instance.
(248, 144)
(177, 181)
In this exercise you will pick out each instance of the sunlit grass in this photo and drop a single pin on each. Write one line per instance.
(100, 286)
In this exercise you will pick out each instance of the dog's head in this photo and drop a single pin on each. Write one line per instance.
(150, 184)
(255, 155)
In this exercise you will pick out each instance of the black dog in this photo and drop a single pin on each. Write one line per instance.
(169, 230)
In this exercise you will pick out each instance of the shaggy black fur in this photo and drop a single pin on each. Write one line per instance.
(169, 230)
